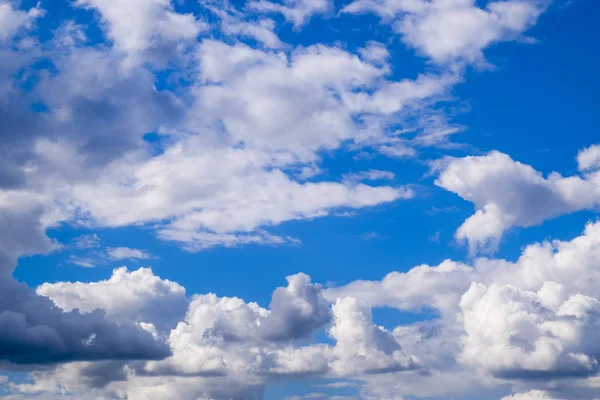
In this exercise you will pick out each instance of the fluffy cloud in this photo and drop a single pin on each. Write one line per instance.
(254, 188)
(236, 131)
(589, 159)
(231, 193)
(532, 319)
(32, 329)
(531, 395)
(224, 346)
(138, 295)
(12, 19)
(313, 99)
(542, 334)
(455, 30)
(508, 193)
(136, 26)
(438, 287)
(298, 12)
(362, 346)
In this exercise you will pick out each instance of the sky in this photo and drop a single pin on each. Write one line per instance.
(299, 199)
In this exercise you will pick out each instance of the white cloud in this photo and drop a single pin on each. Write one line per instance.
(123, 253)
(375, 52)
(499, 321)
(87, 242)
(212, 190)
(12, 20)
(508, 193)
(454, 30)
(531, 395)
(298, 12)
(438, 287)
(222, 172)
(238, 24)
(138, 25)
(531, 319)
(588, 159)
(362, 346)
(315, 98)
(138, 295)
(218, 196)
(223, 345)
(84, 262)
(545, 334)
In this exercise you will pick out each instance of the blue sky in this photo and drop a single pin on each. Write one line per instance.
(425, 173)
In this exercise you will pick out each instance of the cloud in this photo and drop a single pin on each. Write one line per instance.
(456, 30)
(83, 262)
(531, 395)
(32, 329)
(223, 346)
(123, 253)
(139, 296)
(139, 25)
(84, 242)
(199, 209)
(422, 286)
(12, 20)
(298, 12)
(201, 140)
(544, 334)
(280, 102)
(588, 159)
(530, 320)
(370, 175)
(35, 332)
(214, 208)
(362, 346)
(508, 193)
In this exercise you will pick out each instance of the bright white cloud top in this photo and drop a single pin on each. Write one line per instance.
(213, 125)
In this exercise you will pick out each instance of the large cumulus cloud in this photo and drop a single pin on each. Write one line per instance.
(508, 193)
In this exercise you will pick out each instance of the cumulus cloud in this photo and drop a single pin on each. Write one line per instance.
(362, 346)
(531, 395)
(138, 25)
(139, 296)
(498, 321)
(106, 135)
(222, 336)
(308, 100)
(438, 287)
(588, 159)
(455, 30)
(543, 334)
(508, 193)
(223, 346)
(32, 329)
(526, 320)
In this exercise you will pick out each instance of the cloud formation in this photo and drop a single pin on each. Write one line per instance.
(449, 31)
(507, 193)
(207, 128)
